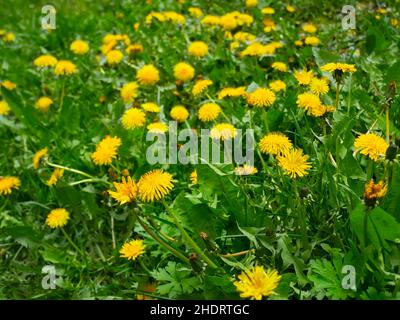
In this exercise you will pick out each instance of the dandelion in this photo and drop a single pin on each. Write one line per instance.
(373, 192)
(9, 85)
(371, 145)
(155, 185)
(55, 176)
(290, 8)
(179, 113)
(133, 118)
(251, 3)
(57, 218)
(209, 112)
(9, 37)
(45, 60)
(43, 104)
(309, 28)
(38, 156)
(312, 41)
(268, 10)
(256, 283)
(134, 48)
(79, 47)
(106, 150)
(245, 170)
(65, 67)
(277, 85)
(8, 183)
(195, 12)
(151, 107)
(148, 75)
(198, 49)
(193, 177)
(232, 92)
(223, 131)
(280, 66)
(294, 163)
(319, 86)
(200, 86)
(133, 249)
(114, 57)
(157, 127)
(183, 71)
(126, 191)
(338, 66)
(4, 108)
(261, 97)
(129, 91)
(311, 103)
(304, 77)
(269, 25)
(275, 143)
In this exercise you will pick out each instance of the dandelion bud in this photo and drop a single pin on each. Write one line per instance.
(209, 243)
(391, 152)
(196, 263)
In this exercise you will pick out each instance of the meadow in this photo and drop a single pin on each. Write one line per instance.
(313, 214)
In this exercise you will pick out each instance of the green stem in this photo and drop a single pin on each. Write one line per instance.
(349, 97)
(72, 243)
(70, 169)
(337, 94)
(366, 228)
(265, 120)
(88, 180)
(387, 125)
(62, 94)
(160, 241)
(188, 238)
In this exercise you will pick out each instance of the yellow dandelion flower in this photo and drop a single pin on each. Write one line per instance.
(319, 86)
(280, 66)
(223, 131)
(38, 157)
(9, 85)
(126, 191)
(151, 107)
(157, 127)
(179, 113)
(133, 118)
(148, 75)
(133, 249)
(65, 67)
(261, 97)
(338, 66)
(311, 103)
(298, 43)
(312, 41)
(232, 92)
(55, 176)
(193, 177)
(269, 25)
(243, 36)
(371, 145)
(4, 108)
(79, 47)
(200, 86)
(268, 10)
(45, 60)
(290, 8)
(256, 283)
(195, 12)
(198, 49)
(8, 183)
(209, 112)
(277, 85)
(294, 163)
(275, 143)
(183, 71)
(251, 3)
(106, 150)
(114, 57)
(57, 218)
(309, 28)
(245, 170)
(129, 91)
(134, 48)
(43, 104)
(155, 185)
(374, 191)
(304, 77)
(9, 37)
(210, 20)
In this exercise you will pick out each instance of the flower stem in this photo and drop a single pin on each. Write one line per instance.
(70, 169)
(188, 238)
(159, 240)
(72, 243)
(387, 125)
(337, 94)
